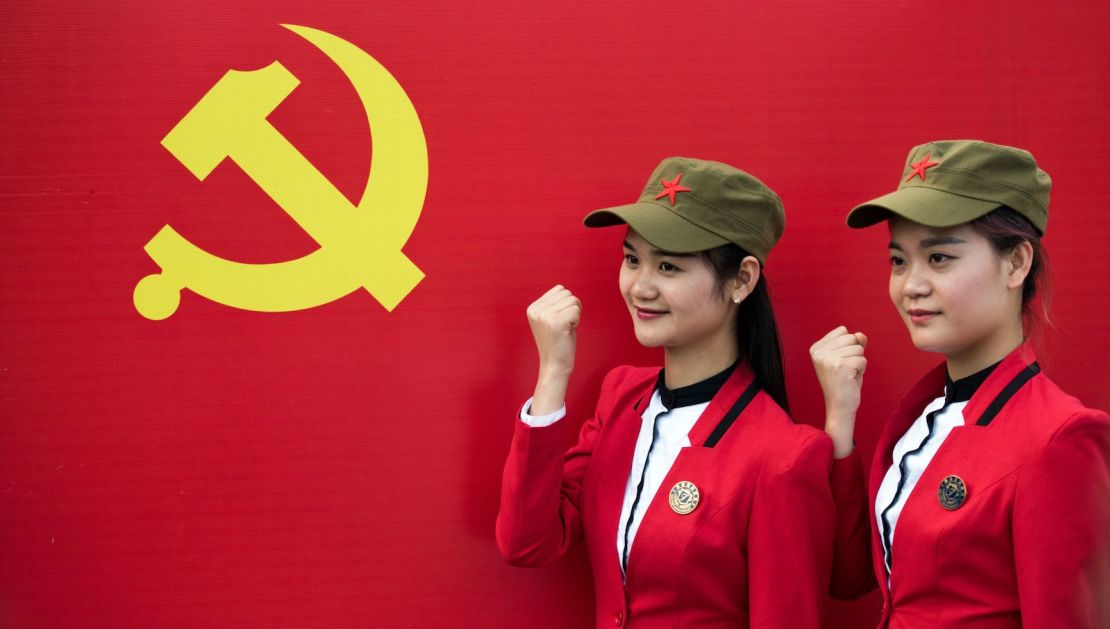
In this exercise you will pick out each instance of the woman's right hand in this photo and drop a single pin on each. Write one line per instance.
(554, 321)
(839, 362)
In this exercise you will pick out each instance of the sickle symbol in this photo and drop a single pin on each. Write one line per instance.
(360, 246)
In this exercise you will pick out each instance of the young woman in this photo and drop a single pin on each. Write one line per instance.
(701, 502)
(989, 501)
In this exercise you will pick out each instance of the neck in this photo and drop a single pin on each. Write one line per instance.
(683, 366)
(986, 352)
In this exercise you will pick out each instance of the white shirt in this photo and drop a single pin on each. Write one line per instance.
(912, 453)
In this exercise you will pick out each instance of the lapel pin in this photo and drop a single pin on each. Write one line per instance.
(952, 493)
(684, 497)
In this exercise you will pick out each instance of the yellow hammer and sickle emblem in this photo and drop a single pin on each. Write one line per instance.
(360, 246)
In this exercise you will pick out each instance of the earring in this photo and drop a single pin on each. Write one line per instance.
(736, 299)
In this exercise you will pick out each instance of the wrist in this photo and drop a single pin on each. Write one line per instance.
(841, 429)
(840, 419)
(550, 393)
(546, 401)
(842, 449)
(554, 375)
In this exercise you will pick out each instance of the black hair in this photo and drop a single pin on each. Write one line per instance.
(757, 334)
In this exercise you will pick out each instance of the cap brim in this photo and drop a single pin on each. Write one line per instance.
(928, 206)
(659, 226)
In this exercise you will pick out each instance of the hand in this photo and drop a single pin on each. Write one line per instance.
(839, 362)
(554, 321)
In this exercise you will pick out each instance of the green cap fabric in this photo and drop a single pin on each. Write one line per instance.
(951, 182)
(691, 205)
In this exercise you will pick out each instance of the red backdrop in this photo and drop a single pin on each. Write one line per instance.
(339, 466)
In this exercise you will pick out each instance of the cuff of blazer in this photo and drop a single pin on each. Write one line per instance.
(846, 479)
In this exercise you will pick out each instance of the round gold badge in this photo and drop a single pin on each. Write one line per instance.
(684, 497)
(952, 493)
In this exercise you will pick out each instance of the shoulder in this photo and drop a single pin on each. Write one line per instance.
(1047, 432)
(1049, 413)
(789, 448)
(1067, 456)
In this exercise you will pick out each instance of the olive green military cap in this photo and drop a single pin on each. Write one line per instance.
(691, 205)
(951, 182)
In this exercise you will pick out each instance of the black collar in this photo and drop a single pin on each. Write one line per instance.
(697, 393)
(961, 390)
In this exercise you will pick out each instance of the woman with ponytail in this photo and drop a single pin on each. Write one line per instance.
(701, 502)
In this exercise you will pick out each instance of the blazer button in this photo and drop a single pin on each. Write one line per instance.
(618, 618)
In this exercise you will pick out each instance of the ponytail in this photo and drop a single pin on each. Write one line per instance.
(757, 334)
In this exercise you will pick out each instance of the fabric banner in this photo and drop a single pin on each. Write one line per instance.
(263, 332)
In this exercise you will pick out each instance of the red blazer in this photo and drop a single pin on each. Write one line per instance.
(756, 552)
(1031, 543)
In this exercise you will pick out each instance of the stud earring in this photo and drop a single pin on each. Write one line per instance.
(736, 299)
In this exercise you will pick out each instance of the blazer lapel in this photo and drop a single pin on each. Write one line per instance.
(926, 390)
(730, 391)
(1002, 381)
(613, 462)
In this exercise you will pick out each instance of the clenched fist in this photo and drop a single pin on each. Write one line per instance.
(839, 361)
(554, 320)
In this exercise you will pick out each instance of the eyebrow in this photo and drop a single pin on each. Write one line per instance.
(933, 242)
(660, 252)
(942, 240)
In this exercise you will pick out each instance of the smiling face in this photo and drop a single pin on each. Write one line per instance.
(675, 299)
(956, 295)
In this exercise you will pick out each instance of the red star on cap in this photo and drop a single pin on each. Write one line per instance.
(671, 188)
(920, 167)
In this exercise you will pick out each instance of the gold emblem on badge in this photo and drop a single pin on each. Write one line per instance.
(952, 493)
(684, 497)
